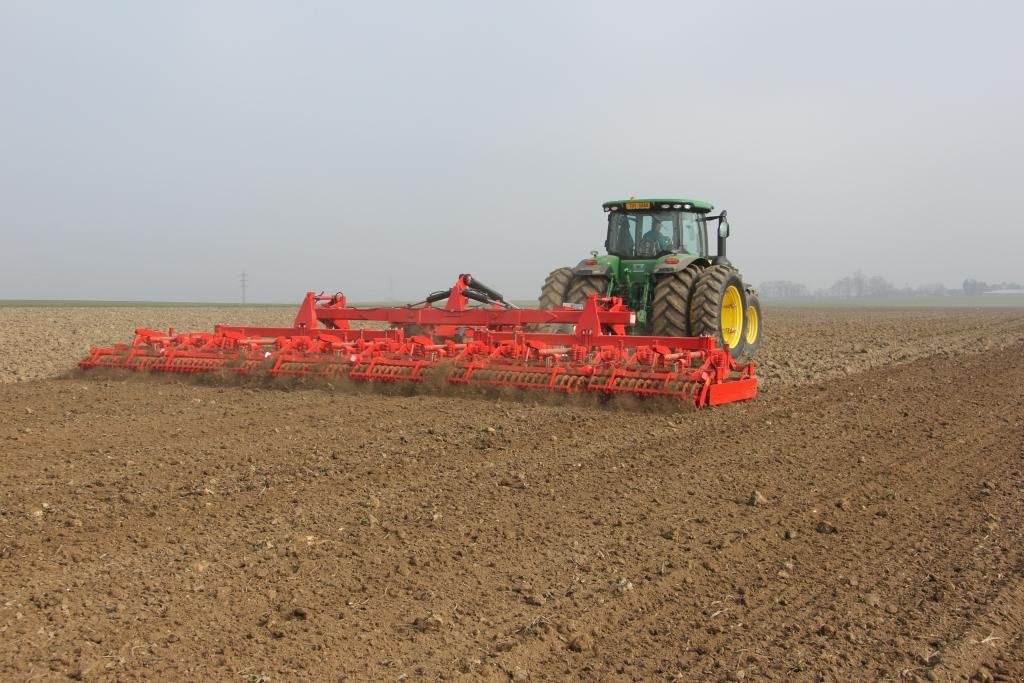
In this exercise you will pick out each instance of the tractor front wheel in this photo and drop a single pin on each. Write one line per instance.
(718, 306)
(670, 307)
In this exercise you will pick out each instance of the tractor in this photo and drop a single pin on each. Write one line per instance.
(658, 261)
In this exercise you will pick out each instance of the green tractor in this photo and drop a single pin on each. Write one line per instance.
(658, 262)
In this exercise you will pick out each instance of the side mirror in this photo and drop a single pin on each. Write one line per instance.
(723, 228)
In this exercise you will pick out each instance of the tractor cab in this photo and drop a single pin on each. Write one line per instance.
(652, 228)
(659, 262)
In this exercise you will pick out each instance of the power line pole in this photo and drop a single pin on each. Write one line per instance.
(243, 286)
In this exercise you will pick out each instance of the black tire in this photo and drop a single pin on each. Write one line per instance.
(670, 307)
(552, 295)
(411, 330)
(556, 286)
(753, 327)
(585, 285)
(580, 290)
(706, 308)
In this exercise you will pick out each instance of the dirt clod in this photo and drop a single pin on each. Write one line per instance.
(429, 622)
(581, 643)
(535, 599)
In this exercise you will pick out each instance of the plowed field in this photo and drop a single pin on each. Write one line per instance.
(862, 519)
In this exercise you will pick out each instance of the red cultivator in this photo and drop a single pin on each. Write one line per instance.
(493, 345)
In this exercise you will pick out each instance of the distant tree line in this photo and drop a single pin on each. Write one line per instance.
(975, 287)
(860, 285)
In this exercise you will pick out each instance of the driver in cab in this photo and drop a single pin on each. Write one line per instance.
(655, 236)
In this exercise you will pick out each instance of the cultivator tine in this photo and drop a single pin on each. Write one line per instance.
(486, 347)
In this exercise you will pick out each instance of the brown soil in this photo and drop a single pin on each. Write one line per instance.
(862, 520)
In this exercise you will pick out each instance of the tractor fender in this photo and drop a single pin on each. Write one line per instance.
(683, 261)
(592, 267)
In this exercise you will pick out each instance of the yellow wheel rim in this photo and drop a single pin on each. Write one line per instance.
(753, 325)
(731, 318)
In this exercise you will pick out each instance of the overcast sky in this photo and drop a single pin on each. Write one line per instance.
(155, 150)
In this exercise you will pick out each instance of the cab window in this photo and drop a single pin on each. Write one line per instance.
(692, 238)
(654, 233)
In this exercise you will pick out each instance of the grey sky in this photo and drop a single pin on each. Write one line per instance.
(154, 150)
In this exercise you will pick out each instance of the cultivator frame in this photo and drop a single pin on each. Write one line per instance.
(493, 344)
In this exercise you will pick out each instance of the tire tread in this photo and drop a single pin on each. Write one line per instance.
(670, 306)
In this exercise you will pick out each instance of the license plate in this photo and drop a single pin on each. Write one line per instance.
(632, 206)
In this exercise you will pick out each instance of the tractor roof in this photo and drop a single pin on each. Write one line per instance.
(634, 204)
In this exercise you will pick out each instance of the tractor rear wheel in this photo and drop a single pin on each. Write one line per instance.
(670, 307)
(552, 295)
(556, 286)
(580, 290)
(585, 285)
(718, 306)
(752, 322)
